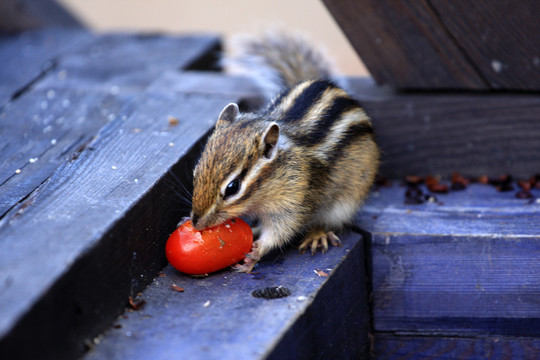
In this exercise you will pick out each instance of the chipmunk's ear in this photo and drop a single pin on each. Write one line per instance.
(228, 115)
(270, 140)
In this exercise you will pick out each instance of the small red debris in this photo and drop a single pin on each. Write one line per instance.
(434, 185)
(173, 121)
(136, 305)
(177, 288)
(320, 273)
(483, 179)
(413, 180)
(459, 182)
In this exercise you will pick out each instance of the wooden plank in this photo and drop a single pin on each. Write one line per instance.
(131, 61)
(405, 45)
(99, 61)
(436, 44)
(20, 15)
(474, 134)
(314, 322)
(465, 266)
(500, 38)
(54, 124)
(95, 229)
(111, 250)
(409, 347)
(27, 56)
(67, 107)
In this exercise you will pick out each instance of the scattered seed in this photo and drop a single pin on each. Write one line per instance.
(413, 180)
(524, 185)
(177, 288)
(320, 273)
(439, 188)
(459, 182)
(173, 121)
(136, 305)
(483, 179)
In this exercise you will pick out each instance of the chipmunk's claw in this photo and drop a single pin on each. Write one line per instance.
(249, 261)
(319, 239)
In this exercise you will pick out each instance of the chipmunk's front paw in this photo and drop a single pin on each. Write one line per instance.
(249, 261)
(319, 239)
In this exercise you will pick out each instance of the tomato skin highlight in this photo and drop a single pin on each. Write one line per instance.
(201, 252)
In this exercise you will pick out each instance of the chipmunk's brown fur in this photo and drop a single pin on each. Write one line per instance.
(302, 166)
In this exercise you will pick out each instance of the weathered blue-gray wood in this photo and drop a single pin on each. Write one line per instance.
(27, 56)
(217, 317)
(91, 230)
(89, 86)
(439, 133)
(20, 15)
(493, 348)
(466, 266)
(93, 233)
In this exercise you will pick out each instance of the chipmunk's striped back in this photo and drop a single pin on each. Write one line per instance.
(318, 115)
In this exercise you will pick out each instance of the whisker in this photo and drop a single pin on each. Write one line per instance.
(176, 185)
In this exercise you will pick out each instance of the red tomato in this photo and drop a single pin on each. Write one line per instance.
(201, 252)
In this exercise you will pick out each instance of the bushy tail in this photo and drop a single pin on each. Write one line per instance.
(277, 60)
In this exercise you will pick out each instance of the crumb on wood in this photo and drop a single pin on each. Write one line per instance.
(320, 273)
(136, 305)
(173, 121)
(177, 288)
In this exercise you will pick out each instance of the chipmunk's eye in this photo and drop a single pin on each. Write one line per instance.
(232, 188)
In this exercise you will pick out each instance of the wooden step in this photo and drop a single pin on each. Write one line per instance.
(465, 263)
(97, 142)
(87, 200)
(218, 317)
(439, 45)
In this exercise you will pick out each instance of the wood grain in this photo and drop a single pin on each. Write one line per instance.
(107, 213)
(29, 55)
(500, 38)
(438, 45)
(89, 86)
(440, 133)
(85, 220)
(404, 45)
(409, 347)
(466, 265)
(324, 317)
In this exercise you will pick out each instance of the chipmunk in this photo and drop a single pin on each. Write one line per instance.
(302, 166)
